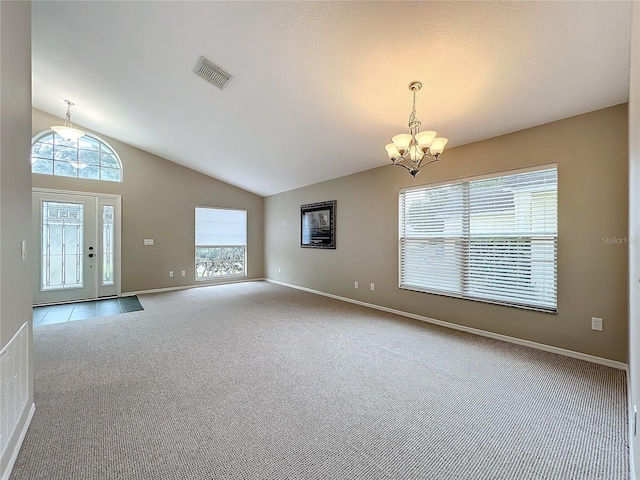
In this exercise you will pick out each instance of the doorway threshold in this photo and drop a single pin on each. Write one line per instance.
(70, 312)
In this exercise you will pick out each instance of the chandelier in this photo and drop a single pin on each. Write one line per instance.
(416, 149)
(67, 131)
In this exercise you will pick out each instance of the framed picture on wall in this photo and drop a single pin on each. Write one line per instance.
(318, 225)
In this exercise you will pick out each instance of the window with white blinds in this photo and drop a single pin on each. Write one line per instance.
(221, 242)
(488, 239)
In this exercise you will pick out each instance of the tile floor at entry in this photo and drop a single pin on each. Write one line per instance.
(70, 312)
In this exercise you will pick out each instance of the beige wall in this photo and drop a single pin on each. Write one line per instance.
(158, 201)
(591, 153)
(15, 174)
(15, 213)
(634, 223)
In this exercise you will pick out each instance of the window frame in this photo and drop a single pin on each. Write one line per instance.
(467, 238)
(37, 138)
(245, 246)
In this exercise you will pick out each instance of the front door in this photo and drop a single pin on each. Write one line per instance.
(75, 246)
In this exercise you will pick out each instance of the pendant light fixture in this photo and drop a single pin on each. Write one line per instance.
(67, 131)
(415, 149)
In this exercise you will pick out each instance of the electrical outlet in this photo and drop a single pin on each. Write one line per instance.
(372, 287)
(184, 273)
(596, 324)
(355, 284)
(171, 273)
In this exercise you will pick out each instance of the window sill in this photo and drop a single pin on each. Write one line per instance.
(552, 311)
(221, 277)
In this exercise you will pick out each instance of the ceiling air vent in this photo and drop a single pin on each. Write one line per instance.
(212, 73)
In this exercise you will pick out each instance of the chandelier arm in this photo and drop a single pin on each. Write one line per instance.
(407, 156)
(431, 160)
(413, 163)
(398, 164)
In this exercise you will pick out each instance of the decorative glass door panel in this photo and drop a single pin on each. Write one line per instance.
(107, 244)
(61, 250)
(108, 225)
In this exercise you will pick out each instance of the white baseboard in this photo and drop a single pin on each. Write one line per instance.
(161, 290)
(16, 450)
(187, 287)
(475, 331)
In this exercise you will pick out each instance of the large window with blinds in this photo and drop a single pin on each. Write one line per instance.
(491, 239)
(221, 243)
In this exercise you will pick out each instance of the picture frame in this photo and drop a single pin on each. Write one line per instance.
(318, 225)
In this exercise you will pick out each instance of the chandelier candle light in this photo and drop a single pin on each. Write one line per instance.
(416, 149)
(67, 131)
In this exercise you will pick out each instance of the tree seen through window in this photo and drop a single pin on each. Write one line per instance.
(87, 157)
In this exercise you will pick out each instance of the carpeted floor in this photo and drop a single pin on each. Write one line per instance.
(259, 381)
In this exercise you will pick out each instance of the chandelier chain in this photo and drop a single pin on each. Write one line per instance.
(67, 131)
(67, 122)
(414, 123)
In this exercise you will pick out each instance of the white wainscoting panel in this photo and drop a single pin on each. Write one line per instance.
(14, 386)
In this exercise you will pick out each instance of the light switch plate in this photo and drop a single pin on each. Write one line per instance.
(148, 241)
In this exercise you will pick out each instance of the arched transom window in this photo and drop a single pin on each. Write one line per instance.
(87, 157)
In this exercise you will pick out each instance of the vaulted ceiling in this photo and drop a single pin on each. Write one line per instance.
(319, 88)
